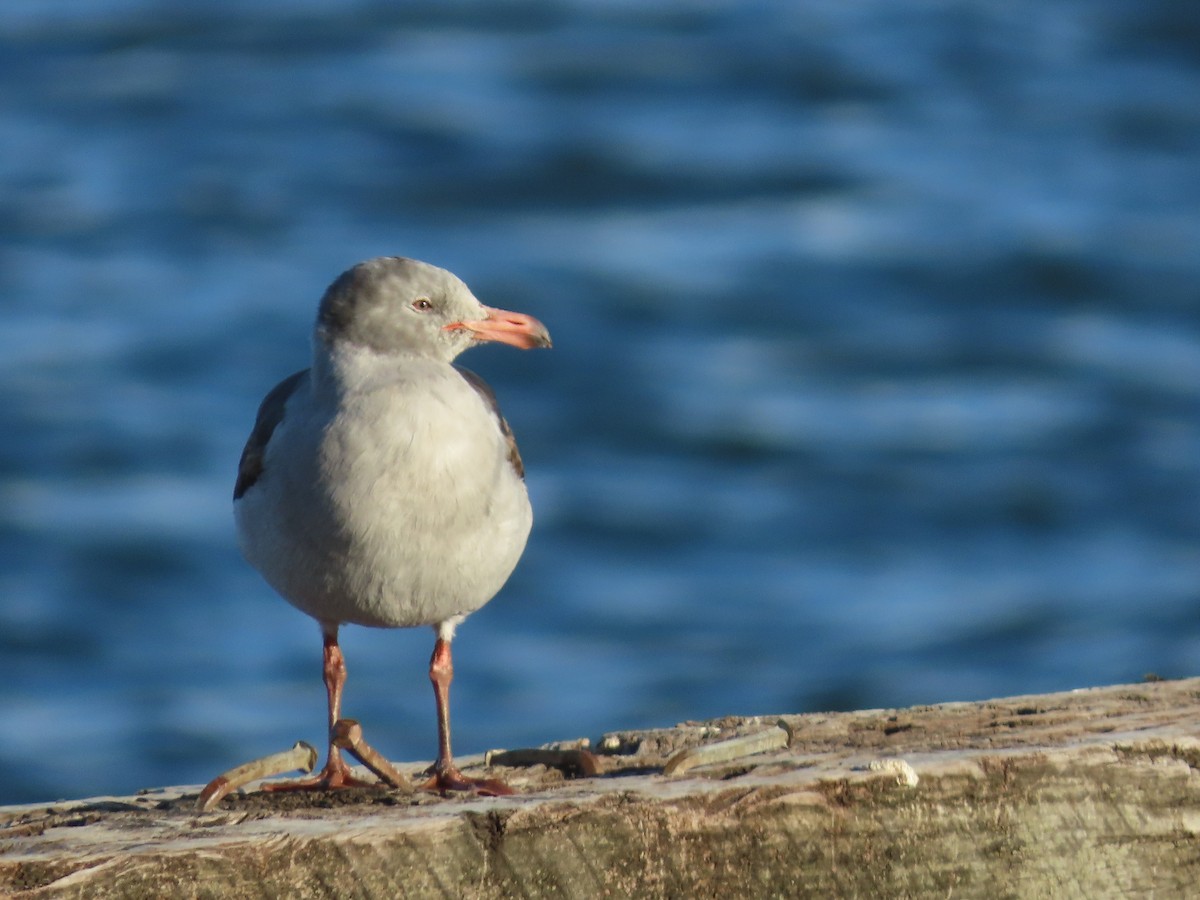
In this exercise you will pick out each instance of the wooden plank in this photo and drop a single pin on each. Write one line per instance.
(1092, 793)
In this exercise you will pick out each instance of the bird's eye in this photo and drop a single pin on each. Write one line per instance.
(422, 304)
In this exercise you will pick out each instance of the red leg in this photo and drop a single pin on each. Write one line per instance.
(446, 776)
(335, 774)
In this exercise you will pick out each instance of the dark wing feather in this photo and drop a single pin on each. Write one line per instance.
(270, 414)
(489, 397)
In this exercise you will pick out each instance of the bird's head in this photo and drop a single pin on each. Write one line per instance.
(394, 305)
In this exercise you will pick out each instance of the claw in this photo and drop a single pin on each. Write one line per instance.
(334, 776)
(445, 780)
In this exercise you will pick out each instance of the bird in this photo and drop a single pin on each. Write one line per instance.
(381, 486)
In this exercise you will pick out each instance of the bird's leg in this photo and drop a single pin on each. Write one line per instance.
(446, 776)
(335, 774)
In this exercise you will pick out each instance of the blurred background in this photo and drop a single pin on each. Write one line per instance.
(875, 380)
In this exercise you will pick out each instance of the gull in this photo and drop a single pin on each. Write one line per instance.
(382, 486)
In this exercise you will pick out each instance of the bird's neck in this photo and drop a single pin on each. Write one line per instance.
(342, 368)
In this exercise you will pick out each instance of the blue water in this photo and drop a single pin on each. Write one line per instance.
(876, 377)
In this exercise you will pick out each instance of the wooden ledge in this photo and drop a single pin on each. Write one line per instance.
(1091, 793)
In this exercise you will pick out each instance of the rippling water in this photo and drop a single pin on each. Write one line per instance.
(876, 375)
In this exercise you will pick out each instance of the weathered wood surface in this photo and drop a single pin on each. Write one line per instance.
(1093, 793)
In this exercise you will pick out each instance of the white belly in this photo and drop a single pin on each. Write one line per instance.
(393, 512)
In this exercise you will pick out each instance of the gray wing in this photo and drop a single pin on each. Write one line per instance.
(489, 397)
(270, 414)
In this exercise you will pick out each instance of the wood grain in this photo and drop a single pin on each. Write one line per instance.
(1093, 793)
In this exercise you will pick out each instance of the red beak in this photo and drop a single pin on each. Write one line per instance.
(517, 329)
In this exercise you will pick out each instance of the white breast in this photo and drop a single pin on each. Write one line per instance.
(391, 504)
